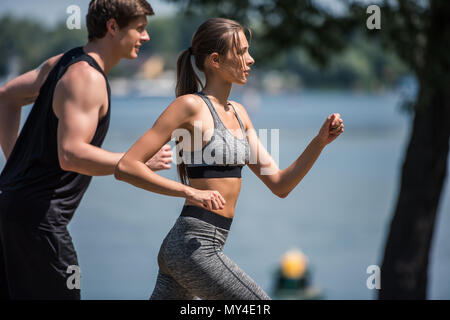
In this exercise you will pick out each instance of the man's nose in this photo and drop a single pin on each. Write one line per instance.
(145, 36)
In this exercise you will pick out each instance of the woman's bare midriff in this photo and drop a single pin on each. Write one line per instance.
(229, 188)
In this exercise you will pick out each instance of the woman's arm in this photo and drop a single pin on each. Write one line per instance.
(132, 169)
(282, 182)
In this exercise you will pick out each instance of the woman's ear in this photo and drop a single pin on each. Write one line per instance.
(214, 60)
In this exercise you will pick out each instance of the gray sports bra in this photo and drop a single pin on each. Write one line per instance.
(223, 156)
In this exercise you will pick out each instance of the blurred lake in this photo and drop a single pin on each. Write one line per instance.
(338, 215)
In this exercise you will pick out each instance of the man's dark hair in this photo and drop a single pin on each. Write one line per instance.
(123, 11)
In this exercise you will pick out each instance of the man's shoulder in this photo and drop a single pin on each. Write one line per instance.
(81, 77)
(81, 85)
(82, 71)
(49, 64)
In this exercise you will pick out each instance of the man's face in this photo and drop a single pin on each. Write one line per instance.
(131, 37)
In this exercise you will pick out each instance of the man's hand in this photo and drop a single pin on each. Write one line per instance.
(161, 160)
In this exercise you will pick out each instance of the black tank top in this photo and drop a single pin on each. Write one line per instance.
(34, 189)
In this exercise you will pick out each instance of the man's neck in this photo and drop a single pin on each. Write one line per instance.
(101, 52)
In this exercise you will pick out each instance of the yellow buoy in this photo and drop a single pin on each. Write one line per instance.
(294, 264)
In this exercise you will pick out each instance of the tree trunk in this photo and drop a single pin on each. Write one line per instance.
(405, 264)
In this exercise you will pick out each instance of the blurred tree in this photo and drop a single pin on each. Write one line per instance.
(170, 35)
(418, 31)
(33, 43)
(361, 64)
(17, 37)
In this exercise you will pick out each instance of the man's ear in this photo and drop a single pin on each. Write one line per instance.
(112, 27)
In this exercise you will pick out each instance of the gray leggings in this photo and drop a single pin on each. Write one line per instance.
(191, 262)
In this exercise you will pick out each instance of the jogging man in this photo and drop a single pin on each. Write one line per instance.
(51, 163)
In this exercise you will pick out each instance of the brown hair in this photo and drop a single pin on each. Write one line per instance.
(214, 35)
(123, 11)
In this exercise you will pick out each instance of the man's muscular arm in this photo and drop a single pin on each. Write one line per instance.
(79, 101)
(80, 96)
(17, 93)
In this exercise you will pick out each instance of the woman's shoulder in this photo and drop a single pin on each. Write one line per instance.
(239, 107)
(189, 103)
(242, 112)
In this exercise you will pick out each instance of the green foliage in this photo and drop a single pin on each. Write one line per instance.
(350, 60)
(303, 37)
(283, 24)
(32, 43)
(170, 35)
(361, 65)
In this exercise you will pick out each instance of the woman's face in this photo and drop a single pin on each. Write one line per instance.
(235, 66)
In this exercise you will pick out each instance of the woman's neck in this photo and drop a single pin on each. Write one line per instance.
(218, 89)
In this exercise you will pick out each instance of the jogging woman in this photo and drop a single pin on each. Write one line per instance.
(191, 261)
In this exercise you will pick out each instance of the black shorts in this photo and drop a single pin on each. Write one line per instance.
(34, 263)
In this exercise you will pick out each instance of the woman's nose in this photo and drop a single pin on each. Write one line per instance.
(250, 60)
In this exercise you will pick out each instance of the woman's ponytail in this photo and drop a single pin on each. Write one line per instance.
(187, 79)
(187, 82)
